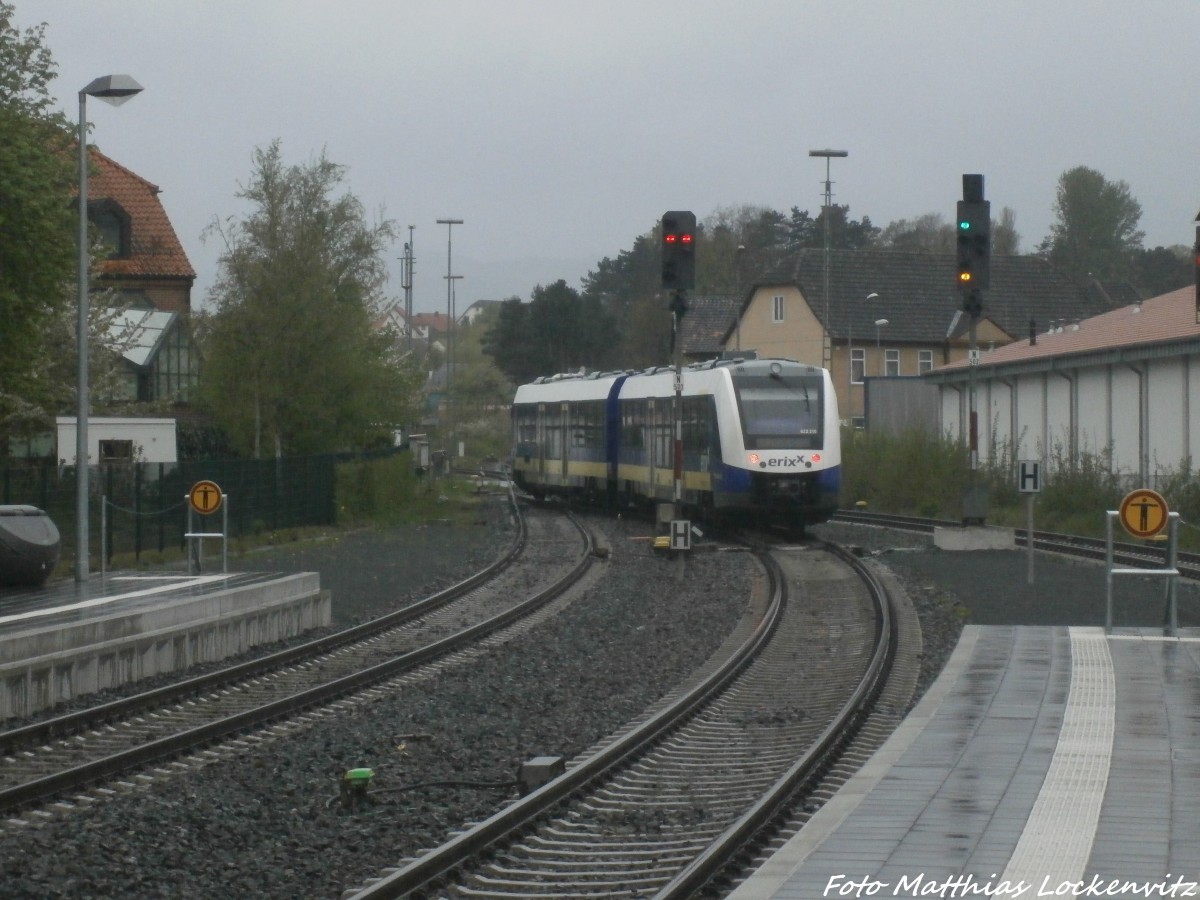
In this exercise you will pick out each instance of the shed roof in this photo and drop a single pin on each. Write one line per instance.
(1166, 319)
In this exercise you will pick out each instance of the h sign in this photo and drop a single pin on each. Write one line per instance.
(1029, 476)
(681, 534)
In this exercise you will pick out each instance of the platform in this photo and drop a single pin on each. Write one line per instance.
(70, 639)
(1044, 761)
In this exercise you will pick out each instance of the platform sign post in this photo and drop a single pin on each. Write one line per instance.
(1144, 514)
(206, 498)
(1029, 483)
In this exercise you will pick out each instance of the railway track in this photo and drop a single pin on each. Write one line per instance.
(273, 696)
(698, 785)
(1124, 552)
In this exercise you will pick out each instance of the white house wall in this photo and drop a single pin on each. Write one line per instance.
(1126, 419)
(1031, 401)
(1093, 427)
(1168, 413)
(1057, 427)
(1053, 414)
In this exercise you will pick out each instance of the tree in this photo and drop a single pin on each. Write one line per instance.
(1005, 239)
(557, 331)
(291, 358)
(37, 230)
(1095, 234)
(929, 233)
(1162, 270)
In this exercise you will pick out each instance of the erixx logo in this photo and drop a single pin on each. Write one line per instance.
(785, 462)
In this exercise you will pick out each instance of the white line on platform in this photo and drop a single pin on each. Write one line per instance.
(174, 583)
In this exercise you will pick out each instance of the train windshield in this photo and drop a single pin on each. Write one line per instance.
(780, 412)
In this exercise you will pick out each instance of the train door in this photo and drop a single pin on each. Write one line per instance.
(565, 442)
(540, 463)
(662, 456)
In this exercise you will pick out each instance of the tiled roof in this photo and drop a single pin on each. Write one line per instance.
(1163, 319)
(436, 322)
(706, 323)
(918, 294)
(155, 249)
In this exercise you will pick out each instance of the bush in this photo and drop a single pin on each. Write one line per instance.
(389, 491)
(917, 473)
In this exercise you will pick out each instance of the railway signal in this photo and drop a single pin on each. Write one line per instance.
(973, 243)
(679, 250)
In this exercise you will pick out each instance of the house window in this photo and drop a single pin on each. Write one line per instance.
(114, 225)
(891, 362)
(777, 308)
(924, 361)
(858, 365)
(116, 451)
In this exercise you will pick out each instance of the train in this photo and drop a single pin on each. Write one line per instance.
(760, 439)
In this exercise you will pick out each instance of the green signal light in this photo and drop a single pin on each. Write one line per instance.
(965, 226)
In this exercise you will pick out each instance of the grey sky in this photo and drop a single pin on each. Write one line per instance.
(559, 130)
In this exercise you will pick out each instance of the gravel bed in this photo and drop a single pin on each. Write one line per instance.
(268, 824)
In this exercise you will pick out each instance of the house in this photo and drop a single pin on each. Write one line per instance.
(149, 272)
(477, 309)
(146, 265)
(433, 328)
(1122, 387)
(886, 314)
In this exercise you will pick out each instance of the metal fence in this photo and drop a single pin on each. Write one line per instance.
(145, 502)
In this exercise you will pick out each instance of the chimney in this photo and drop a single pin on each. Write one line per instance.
(1032, 333)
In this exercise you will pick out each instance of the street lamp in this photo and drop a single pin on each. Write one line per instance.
(114, 89)
(850, 353)
(879, 323)
(827, 155)
(449, 223)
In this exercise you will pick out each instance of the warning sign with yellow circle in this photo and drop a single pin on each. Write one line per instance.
(1144, 513)
(205, 497)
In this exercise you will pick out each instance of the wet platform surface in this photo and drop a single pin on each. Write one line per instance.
(117, 592)
(71, 639)
(1044, 761)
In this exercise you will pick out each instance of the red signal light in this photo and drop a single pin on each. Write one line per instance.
(686, 238)
(669, 238)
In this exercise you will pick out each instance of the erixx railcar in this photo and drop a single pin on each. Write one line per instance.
(760, 438)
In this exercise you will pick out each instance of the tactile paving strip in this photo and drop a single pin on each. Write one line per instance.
(1057, 839)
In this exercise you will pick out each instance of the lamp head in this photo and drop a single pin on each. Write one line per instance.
(114, 89)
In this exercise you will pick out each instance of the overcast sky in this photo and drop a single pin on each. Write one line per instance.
(560, 130)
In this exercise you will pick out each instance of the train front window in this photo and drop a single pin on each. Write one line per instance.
(780, 412)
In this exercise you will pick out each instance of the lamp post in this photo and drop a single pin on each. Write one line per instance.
(114, 89)
(827, 155)
(879, 323)
(850, 353)
(449, 223)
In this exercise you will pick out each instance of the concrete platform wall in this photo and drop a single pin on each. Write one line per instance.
(46, 665)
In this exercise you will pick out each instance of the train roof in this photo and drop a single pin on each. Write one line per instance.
(640, 383)
(568, 386)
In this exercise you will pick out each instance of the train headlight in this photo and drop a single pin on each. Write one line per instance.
(754, 459)
(816, 457)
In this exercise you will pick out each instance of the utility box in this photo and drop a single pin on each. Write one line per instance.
(539, 771)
